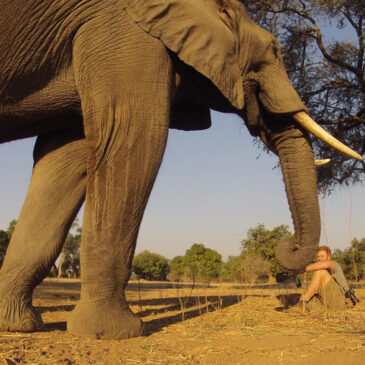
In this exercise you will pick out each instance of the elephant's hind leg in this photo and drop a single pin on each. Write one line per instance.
(54, 197)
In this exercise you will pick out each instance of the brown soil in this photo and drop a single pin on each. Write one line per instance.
(216, 325)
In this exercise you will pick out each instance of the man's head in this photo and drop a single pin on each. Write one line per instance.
(323, 253)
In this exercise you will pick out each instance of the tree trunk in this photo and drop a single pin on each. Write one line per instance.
(60, 266)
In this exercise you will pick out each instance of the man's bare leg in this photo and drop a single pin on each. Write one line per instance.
(319, 280)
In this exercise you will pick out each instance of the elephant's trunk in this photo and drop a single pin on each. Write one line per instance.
(300, 178)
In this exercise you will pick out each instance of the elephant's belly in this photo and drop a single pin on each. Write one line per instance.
(55, 107)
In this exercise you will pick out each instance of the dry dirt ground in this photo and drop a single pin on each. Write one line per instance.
(221, 324)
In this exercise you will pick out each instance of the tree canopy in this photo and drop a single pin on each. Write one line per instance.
(262, 242)
(198, 264)
(69, 265)
(202, 263)
(150, 266)
(177, 268)
(11, 228)
(353, 254)
(4, 242)
(5, 239)
(231, 269)
(327, 71)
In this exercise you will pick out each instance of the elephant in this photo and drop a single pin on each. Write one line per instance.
(100, 82)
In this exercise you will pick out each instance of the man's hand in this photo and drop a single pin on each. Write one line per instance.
(297, 272)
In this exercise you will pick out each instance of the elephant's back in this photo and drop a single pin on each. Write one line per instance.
(36, 41)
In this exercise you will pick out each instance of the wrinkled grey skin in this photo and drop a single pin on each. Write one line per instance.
(101, 93)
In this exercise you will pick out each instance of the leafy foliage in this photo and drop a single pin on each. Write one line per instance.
(202, 263)
(327, 71)
(150, 266)
(262, 242)
(4, 242)
(5, 239)
(11, 228)
(69, 265)
(198, 264)
(231, 269)
(177, 268)
(347, 257)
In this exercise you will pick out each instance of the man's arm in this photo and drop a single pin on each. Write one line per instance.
(320, 265)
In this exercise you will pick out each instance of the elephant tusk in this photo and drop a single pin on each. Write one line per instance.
(321, 162)
(311, 126)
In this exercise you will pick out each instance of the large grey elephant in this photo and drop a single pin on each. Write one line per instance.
(100, 82)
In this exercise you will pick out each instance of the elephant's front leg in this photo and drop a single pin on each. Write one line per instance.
(126, 119)
(54, 197)
(123, 163)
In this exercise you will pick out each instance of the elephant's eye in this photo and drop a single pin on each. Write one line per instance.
(226, 13)
(255, 67)
(226, 18)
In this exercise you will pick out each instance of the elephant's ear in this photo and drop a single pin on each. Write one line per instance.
(200, 33)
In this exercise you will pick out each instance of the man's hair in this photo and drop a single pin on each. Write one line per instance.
(325, 249)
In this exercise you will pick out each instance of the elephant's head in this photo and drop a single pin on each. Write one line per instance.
(219, 40)
(274, 111)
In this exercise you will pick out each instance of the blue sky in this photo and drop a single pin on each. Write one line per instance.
(212, 187)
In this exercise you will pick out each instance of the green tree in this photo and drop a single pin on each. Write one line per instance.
(339, 256)
(177, 268)
(231, 269)
(262, 242)
(70, 256)
(150, 266)
(347, 257)
(358, 254)
(202, 263)
(5, 239)
(11, 228)
(4, 242)
(327, 71)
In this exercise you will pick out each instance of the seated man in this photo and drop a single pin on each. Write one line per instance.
(328, 285)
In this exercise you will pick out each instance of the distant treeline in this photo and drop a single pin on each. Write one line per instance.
(201, 264)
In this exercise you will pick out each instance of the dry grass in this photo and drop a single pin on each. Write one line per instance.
(216, 325)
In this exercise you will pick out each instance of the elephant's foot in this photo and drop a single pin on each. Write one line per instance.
(104, 321)
(18, 315)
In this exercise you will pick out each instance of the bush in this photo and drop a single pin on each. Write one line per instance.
(253, 267)
(177, 269)
(201, 263)
(262, 242)
(150, 266)
(231, 270)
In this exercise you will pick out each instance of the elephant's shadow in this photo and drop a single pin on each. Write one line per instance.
(186, 308)
(183, 308)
